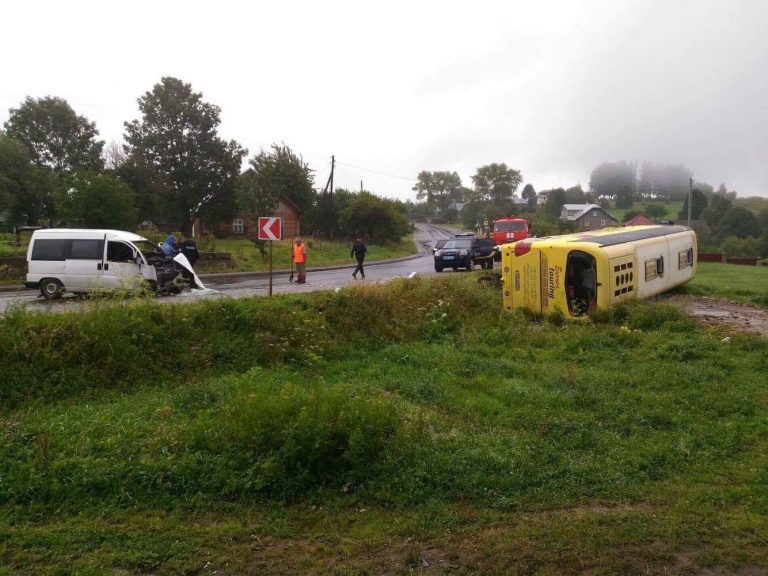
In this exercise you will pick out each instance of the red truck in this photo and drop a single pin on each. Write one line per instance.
(510, 229)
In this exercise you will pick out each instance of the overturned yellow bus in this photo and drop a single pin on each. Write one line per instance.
(586, 271)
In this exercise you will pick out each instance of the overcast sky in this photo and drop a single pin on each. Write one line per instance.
(551, 88)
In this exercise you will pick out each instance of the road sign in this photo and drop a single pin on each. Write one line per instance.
(270, 228)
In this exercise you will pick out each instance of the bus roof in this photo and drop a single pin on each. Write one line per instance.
(613, 236)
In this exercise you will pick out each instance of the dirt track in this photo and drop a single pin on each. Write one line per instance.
(733, 317)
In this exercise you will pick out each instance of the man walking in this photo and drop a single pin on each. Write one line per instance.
(359, 251)
(300, 259)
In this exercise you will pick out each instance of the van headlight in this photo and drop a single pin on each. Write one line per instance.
(438, 252)
(462, 252)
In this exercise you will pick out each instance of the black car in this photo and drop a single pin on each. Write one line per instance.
(439, 244)
(456, 253)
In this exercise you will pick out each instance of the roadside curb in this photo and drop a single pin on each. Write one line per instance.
(220, 278)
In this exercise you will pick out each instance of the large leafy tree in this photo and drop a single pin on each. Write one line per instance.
(529, 195)
(27, 191)
(698, 205)
(176, 146)
(667, 181)
(555, 201)
(496, 182)
(438, 188)
(274, 174)
(58, 138)
(98, 201)
(739, 222)
(615, 179)
(377, 219)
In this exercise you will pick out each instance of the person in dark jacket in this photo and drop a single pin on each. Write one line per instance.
(189, 249)
(359, 250)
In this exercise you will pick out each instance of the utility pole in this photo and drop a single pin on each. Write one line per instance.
(329, 184)
(690, 199)
(327, 197)
(361, 185)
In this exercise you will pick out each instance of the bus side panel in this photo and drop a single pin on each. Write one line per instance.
(682, 258)
(653, 263)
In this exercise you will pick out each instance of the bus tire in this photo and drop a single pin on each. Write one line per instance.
(51, 288)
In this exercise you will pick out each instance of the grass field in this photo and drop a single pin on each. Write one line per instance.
(748, 284)
(673, 208)
(246, 257)
(399, 429)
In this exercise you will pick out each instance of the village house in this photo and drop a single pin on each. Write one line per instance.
(587, 216)
(246, 226)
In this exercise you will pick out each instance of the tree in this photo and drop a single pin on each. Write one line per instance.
(438, 188)
(555, 201)
(273, 175)
(698, 205)
(615, 180)
(575, 195)
(377, 219)
(655, 211)
(58, 138)
(712, 214)
(667, 181)
(27, 191)
(99, 201)
(177, 147)
(114, 156)
(529, 195)
(496, 182)
(738, 222)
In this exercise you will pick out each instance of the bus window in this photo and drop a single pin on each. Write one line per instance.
(580, 282)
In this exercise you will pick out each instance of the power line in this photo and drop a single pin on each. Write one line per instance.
(377, 172)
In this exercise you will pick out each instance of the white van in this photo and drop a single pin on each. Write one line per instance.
(73, 260)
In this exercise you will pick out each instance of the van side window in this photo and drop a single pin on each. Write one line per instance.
(49, 250)
(119, 252)
(86, 250)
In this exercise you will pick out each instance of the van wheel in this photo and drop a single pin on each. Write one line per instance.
(438, 268)
(51, 289)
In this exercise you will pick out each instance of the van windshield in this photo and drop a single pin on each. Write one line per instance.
(580, 283)
(147, 247)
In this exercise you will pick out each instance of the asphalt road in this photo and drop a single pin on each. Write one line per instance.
(257, 284)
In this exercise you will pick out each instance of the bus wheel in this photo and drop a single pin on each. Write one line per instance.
(51, 289)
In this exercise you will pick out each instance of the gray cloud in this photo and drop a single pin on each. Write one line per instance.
(552, 89)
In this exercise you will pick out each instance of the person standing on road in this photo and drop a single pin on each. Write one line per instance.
(359, 250)
(300, 259)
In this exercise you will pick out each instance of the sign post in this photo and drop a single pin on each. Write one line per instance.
(270, 228)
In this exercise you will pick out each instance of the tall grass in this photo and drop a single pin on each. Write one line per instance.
(377, 404)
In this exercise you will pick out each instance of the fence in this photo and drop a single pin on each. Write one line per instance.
(722, 258)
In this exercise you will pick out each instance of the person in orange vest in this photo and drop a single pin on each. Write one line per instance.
(300, 259)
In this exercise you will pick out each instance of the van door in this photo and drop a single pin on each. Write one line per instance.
(82, 266)
(120, 268)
